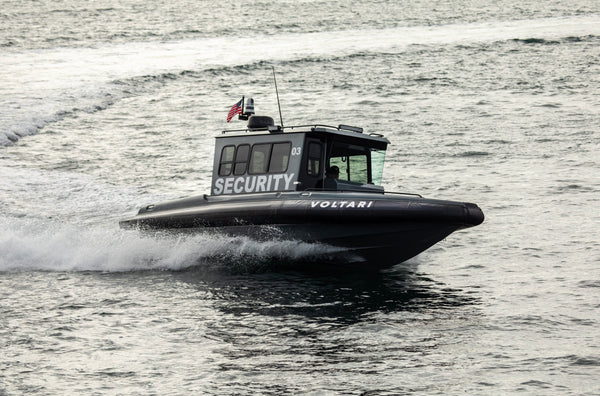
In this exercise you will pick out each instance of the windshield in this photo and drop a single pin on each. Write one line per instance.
(358, 164)
(377, 161)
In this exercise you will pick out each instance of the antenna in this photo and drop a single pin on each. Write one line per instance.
(277, 92)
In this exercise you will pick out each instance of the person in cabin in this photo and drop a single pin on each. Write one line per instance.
(332, 173)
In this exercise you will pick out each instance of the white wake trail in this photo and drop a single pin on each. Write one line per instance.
(38, 87)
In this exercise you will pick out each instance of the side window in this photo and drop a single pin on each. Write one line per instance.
(359, 169)
(280, 157)
(260, 158)
(241, 159)
(377, 161)
(352, 168)
(263, 158)
(226, 162)
(314, 159)
(342, 163)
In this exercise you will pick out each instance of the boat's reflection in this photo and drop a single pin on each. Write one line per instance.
(340, 295)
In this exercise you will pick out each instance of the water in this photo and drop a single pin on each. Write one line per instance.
(108, 106)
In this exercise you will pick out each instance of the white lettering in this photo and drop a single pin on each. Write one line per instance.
(228, 185)
(288, 180)
(277, 179)
(341, 204)
(250, 188)
(250, 184)
(261, 182)
(238, 185)
(218, 187)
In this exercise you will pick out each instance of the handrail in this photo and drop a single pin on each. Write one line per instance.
(364, 191)
(282, 128)
(312, 126)
(404, 193)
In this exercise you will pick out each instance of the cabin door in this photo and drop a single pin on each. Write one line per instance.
(312, 163)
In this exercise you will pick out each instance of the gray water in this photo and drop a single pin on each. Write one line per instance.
(108, 106)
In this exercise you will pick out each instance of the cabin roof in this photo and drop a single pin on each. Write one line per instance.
(345, 132)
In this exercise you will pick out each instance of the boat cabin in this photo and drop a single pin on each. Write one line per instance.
(267, 158)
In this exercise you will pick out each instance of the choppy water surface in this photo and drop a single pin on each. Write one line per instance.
(106, 107)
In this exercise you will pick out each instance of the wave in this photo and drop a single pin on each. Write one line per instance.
(472, 154)
(557, 41)
(64, 221)
(67, 80)
(38, 118)
(46, 245)
(69, 196)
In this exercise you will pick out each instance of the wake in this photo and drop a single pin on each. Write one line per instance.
(68, 80)
(44, 245)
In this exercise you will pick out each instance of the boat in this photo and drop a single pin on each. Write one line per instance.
(312, 183)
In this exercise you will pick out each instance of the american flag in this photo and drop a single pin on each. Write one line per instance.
(235, 109)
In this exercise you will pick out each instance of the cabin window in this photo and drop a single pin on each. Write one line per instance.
(352, 168)
(262, 158)
(226, 163)
(280, 157)
(377, 161)
(241, 159)
(314, 159)
(357, 164)
(259, 160)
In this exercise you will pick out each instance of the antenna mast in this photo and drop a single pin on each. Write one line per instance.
(277, 92)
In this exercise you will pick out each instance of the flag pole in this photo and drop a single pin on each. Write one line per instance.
(277, 92)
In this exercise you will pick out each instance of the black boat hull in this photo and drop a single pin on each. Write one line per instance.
(379, 230)
(374, 244)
